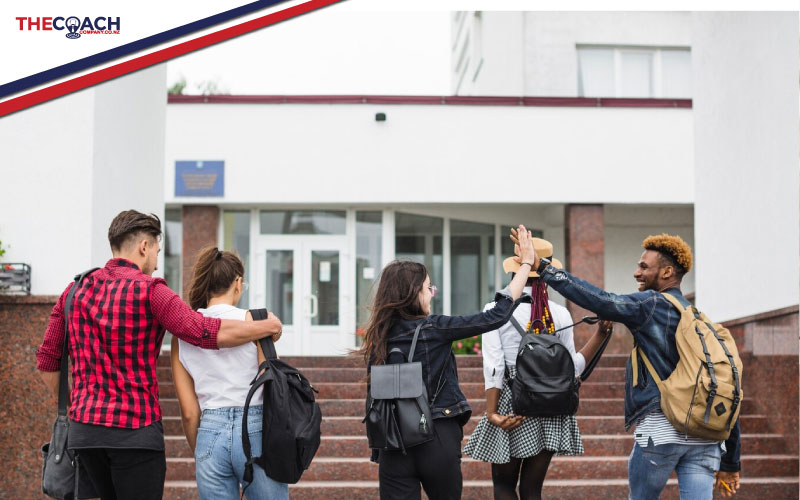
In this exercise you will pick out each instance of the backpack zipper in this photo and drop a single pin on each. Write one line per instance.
(423, 423)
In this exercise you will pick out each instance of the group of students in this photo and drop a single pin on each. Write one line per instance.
(213, 346)
(520, 448)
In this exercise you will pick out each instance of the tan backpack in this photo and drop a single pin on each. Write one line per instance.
(702, 396)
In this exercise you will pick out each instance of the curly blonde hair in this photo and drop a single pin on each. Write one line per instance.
(671, 246)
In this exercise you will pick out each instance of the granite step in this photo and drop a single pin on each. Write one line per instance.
(581, 467)
(472, 390)
(594, 444)
(588, 424)
(753, 488)
(588, 406)
(464, 361)
(318, 376)
(354, 407)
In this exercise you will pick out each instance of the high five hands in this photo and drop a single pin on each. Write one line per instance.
(522, 238)
(523, 246)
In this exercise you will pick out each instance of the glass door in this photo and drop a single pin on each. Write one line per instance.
(301, 280)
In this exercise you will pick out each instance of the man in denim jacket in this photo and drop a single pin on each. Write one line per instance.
(659, 448)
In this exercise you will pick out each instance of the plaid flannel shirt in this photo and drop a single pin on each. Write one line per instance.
(117, 323)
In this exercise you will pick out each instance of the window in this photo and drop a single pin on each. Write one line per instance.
(472, 265)
(302, 221)
(419, 238)
(173, 248)
(634, 72)
(369, 231)
(236, 227)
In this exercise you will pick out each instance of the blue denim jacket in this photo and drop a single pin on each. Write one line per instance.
(434, 350)
(652, 320)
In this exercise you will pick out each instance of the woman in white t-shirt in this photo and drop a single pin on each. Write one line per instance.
(212, 387)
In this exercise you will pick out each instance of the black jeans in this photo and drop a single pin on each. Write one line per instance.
(435, 464)
(121, 474)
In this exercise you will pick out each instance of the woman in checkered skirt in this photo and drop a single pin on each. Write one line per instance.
(520, 448)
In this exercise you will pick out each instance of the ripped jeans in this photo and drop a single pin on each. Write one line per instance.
(649, 469)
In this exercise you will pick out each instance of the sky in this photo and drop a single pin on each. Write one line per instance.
(331, 51)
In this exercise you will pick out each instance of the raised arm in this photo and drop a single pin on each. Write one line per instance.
(634, 309)
(460, 327)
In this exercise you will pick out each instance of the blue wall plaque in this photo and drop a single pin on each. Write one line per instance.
(199, 178)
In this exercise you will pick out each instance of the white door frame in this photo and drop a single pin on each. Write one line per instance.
(301, 337)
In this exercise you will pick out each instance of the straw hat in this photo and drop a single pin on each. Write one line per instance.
(543, 249)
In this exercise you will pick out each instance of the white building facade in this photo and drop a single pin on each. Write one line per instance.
(594, 129)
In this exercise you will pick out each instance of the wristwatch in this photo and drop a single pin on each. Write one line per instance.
(543, 263)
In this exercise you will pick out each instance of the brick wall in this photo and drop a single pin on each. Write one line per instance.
(200, 229)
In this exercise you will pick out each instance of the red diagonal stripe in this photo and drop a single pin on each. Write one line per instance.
(81, 82)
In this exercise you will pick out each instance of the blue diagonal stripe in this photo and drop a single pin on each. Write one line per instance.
(130, 48)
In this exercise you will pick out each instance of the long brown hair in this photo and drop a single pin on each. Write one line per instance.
(213, 274)
(397, 297)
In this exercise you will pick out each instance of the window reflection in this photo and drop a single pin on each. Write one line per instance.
(302, 221)
(419, 238)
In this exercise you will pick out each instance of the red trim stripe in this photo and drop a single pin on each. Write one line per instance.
(105, 74)
(592, 102)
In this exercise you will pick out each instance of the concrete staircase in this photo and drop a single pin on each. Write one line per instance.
(341, 468)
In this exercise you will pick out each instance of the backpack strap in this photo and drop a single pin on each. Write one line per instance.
(734, 369)
(267, 344)
(709, 364)
(414, 342)
(248, 466)
(592, 363)
(675, 302)
(516, 324)
(269, 351)
(650, 368)
(68, 301)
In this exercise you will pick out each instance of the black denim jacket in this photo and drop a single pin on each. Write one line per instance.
(652, 320)
(433, 350)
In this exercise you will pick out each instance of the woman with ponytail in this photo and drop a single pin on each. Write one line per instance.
(520, 448)
(402, 302)
(212, 387)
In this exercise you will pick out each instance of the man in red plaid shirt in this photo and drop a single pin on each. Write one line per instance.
(116, 326)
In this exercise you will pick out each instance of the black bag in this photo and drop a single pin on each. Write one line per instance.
(545, 384)
(61, 476)
(399, 414)
(292, 418)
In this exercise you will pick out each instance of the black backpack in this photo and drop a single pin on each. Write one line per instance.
(292, 418)
(398, 412)
(546, 385)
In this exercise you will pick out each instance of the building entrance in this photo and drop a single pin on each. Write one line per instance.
(302, 280)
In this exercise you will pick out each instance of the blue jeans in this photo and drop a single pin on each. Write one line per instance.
(219, 457)
(649, 469)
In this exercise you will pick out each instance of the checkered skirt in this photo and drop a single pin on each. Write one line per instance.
(490, 443)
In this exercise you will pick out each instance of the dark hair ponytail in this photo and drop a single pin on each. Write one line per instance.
(397, 297)
(213, 274)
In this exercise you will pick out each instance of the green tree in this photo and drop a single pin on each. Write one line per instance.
(177, 87)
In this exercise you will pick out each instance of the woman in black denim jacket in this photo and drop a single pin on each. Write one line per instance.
(402, 301)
